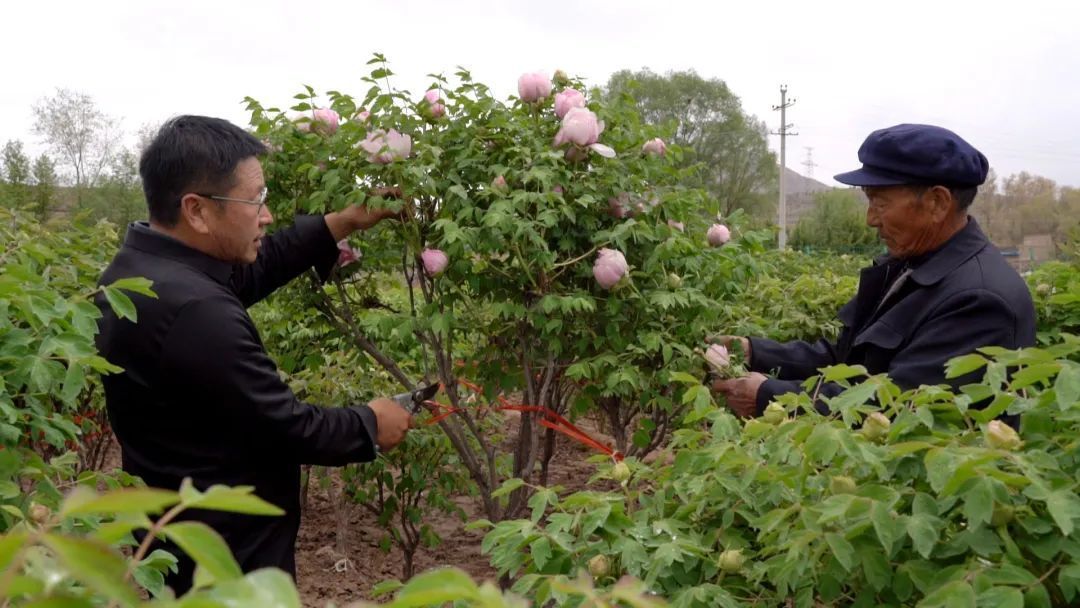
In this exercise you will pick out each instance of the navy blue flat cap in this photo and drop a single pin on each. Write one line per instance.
(912, 155)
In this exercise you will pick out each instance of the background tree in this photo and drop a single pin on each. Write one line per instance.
(729, 147)
(837, 222)
(16, 172)
(44, 186)
(118, 197)
(83, 138)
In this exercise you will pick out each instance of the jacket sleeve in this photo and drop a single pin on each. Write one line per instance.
(283, 256)
(961, 324)
(214, 343)
(796, 360)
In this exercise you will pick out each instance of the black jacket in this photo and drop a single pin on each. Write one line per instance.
(959, 298)
(199, 397)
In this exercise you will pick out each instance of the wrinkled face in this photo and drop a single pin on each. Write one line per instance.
(235, 228)
(910, 221)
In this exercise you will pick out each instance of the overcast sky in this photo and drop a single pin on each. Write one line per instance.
(1005, 75)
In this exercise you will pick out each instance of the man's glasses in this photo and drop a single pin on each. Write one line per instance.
(259, 202)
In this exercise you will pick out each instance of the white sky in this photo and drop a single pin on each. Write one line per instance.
(1003, 74)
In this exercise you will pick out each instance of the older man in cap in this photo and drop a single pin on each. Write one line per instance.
(942, 291)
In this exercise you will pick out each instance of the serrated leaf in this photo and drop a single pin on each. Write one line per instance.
(238, 499)
(128, 500)
(121, 304)
(507, 487)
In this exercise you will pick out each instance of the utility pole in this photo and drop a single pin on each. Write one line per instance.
(809, 162)
(783, 133)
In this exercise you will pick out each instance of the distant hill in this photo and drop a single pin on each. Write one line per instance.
(800, 195)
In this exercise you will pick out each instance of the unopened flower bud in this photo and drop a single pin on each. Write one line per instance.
(842, 484)
(876, 426)
(732, 560)
(620, 472)
(1001, 436)
(599, 566)
(774, 413)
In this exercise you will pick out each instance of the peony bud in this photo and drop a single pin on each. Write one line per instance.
(774, 413)
(674, 281)
(435, 261)
(557, 189)
(579, 126)
(1002, 515)
(1001, 436)
(718, 357)
(599, 566)
(732, 560)
(533, 87)
(1043, 289)
(718, 235)
(346, 254)
(363, 115)
(435, 106)
(655, 146)
(618, 206)
(568, 99)
(326, 121)
(876, 426)
(560, 78)
(620, 472)
(677, 225)
(39, 513)
(842, 484)
(609, 268)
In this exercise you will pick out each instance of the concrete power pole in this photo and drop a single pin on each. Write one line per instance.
(783, 133)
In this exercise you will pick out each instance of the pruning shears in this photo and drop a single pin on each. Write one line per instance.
(413, 400)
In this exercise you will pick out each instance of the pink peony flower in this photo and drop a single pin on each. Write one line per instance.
(434, 103)
(569, 98)
(385, 147)
(676, 225)
(533, 86)
(346, 254)
(581, 128)
(718, 235)
(655, 146)
(326, 121)
(557, 189)
(619, 206)
(498, 183)
(609, 268)
(363, 115)
(718, 357)
(435, 261)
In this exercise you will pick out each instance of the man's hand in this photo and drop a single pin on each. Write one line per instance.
(393, 422)
(360, 217)
(741, 393)
(726, 341)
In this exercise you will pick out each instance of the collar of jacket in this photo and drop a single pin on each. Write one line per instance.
(144, 238)
(929, 268)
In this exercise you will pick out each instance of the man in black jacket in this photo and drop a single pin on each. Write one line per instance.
(942, 291)
(199, 397)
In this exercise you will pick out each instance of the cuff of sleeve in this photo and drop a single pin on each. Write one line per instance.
(371, 425)
(324, 251)
(771, 388)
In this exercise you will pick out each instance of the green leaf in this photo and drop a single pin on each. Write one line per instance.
(541, 551)
(135, 284)
(1033, 374)
(95, 565)
(1067, 387)
(436, 587)
(120, 303)
(961, 366)
(129, 500)
(10, 544)
(239, 499)
(507, 487)
(1000, 597)
(888, 528)
(841, 550)
(979, 502)
(684, 378)
(923, 532)
(267, 588)
(206, 547)
(1064, 507)
(74, 382)
(956, 594)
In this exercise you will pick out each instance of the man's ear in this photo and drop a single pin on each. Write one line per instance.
(940, 202)
(194, 210)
